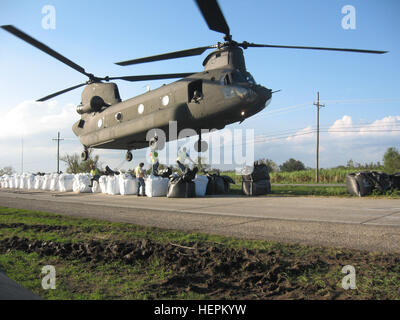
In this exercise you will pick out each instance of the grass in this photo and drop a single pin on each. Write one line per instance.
(305, 190)
(80, 280)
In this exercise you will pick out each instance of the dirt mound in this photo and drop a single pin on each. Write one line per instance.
(217, 272)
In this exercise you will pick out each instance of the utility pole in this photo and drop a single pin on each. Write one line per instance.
(318, 105)
(22, 155)
(58, 151)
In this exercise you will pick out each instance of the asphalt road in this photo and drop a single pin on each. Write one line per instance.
(358, 223)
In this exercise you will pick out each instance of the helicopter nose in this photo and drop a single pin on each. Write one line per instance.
(264, 95)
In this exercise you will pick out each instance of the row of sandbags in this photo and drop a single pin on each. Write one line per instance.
(364, 183)
(187, 186)
(123, 184)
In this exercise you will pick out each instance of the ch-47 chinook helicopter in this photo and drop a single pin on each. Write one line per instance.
(224, 93)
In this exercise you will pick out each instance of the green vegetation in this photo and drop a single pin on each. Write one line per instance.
(391, 161)
(76, 165)
(7, 170)
(378, 274)
(292, 165)
(308, 176)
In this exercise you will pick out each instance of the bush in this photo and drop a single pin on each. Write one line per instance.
(292, 165)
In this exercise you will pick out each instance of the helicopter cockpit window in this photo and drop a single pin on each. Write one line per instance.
(250, 79)
(238, 77)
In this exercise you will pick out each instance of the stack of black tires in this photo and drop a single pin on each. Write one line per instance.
(258, 182)
(364, 183)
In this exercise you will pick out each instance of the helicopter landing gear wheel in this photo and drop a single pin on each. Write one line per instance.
(85, 155)
(128, 156)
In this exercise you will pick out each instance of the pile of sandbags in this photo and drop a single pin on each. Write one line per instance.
(218, 184)
(364, 183)
(103, 184)
(127, 184)
(112, 185)
(4, 181)
(30, 181)
(38, 182)
(258, 182)
(46, 182)
(81, 183)
(156, 186)
(66, 182)
(54, 183)
(182, 186)
(200, 183)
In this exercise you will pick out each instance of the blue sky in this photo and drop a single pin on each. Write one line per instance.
(362, 87)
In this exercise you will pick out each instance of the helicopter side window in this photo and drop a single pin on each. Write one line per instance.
(116, 93)
(195, 91)
(226, 80)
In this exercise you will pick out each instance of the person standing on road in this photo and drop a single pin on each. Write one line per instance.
(140, 174)
(182, 157)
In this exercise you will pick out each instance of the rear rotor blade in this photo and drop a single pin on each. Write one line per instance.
(151, 77)
(254, 45)
(41, 46)
(60, 92)
(213, 15)
(166, 56)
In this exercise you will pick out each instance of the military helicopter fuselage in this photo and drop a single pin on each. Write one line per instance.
(222, 94)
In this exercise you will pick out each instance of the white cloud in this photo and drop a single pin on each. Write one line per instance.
(303, 135)
(388, 126)
(341, 141)
(31, 118)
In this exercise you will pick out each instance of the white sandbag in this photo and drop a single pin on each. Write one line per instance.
(156, 186)
(46, 182)
(30, 181)
(103, 184)
(16, 181)
(66, 182)
(38, 182)
(112, 185)
(127, 184)
(54, 183)
(11, 183)
(81, 183)
(96, 187)
(22, 182)
(4, 181)
(200, 183)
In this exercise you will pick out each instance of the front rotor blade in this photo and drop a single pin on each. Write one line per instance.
(166, 56)
(60, 92)
(41, 46)
(213, 15)
(152, 77)
(254, 45)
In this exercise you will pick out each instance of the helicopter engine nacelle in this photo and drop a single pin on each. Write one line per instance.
(97, 96)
